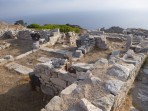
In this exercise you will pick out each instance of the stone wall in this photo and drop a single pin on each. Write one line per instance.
(98, 91)
(10, 28)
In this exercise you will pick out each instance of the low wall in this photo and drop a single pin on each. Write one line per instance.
(102, 90)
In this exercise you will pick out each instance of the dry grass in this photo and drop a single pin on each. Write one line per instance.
(16, 94)
(17, 47)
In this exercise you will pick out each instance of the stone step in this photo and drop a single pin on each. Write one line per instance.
(19, 68)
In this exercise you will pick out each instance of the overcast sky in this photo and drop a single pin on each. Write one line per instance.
(10, 9)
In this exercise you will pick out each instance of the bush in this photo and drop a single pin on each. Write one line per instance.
(34, 26)
(63, 28)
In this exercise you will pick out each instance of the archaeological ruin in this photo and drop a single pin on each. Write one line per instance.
(94, 71)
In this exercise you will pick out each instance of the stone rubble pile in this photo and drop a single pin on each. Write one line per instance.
(68, 38)
(87, 43)
(50, 36)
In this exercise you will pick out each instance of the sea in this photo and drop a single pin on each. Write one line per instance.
(88, 20)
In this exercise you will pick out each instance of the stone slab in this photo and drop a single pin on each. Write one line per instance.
(44, 59)
(19, 68)
(87, 106)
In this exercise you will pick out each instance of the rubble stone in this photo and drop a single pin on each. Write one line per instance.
(55, 104)
(114, 86)
(105, 103)
(87, 106)
(101, 42)
(119, 71)
(101, 63)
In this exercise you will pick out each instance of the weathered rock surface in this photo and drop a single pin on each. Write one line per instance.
(113, 86)
(55, 104)
(105, 103)
(119, 71)
(101, 63)
(101, 42)
(19, 68)
(87, 106)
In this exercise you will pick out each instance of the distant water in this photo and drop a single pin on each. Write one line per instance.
(90, 20)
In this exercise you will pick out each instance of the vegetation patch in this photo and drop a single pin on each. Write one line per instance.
(63, 28)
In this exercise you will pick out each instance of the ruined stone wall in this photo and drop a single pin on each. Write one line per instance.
(98, 93)
(13, 28)
(120, 98)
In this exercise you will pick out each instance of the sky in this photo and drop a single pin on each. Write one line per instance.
(87, 13)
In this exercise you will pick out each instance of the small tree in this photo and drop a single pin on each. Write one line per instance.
(20, 22)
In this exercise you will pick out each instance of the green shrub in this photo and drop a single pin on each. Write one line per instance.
(63, 28)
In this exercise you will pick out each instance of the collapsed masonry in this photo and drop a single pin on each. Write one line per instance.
(87, 43)
(100, 86)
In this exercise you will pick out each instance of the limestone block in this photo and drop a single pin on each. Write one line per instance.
(87, 106)
(130, 53)
(83, 49)
(43, 68)
(19, 68)
(119, 71)
(47, 90)
(58, 82)
(83, 75)
(66, 77)
(113, 86)
(101, 42)
(68, 90)
(101, 63)
(95, 80)
(55, 104)
(78, 53)
(105, 103)
(82, 67)
(43, 59)
(128, 43)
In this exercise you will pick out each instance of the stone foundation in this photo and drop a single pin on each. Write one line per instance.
(91, 92)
